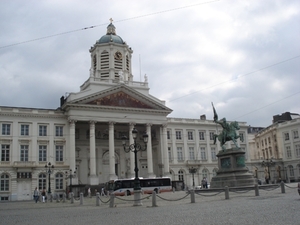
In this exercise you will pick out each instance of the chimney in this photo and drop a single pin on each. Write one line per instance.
(203, 117)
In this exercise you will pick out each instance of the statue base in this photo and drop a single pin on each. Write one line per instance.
(232, 171)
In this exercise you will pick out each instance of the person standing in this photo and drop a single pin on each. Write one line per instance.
(36, 194)
(299, 188)
(89, 193)
(43, 195)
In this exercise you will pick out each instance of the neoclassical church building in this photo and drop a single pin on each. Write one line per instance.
(80, 142)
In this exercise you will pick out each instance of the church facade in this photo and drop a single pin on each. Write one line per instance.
(81, 141)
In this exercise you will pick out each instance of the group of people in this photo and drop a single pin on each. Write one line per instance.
(37, 193)
(102, 193)
(204, 183)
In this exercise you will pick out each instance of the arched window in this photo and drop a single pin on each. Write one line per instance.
(59, 181)
(180, 175)
(4, 182)
(42, 181)
(204, 173)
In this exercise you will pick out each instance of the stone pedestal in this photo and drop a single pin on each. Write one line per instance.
(232, 171)
(137, 198)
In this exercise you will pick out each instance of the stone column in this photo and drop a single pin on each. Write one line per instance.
(166, 169)
(72, 160)
(93, 175)
(112, 162)
(131, 154)
(149, 152)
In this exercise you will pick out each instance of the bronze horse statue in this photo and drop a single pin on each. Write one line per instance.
(228, 134)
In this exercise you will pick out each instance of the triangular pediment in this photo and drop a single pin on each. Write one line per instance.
(120, 99)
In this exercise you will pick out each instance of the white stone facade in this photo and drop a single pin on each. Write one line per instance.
(85, 133)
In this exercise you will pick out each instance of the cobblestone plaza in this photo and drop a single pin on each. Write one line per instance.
(270, 207)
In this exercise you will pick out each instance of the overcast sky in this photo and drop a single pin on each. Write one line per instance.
(242, 55)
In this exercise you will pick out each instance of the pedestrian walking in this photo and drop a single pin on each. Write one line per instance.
(36, 194)
(299, 188)
(102, 192)
(89, 192)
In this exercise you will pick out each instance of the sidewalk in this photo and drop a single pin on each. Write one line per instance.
(270, 207)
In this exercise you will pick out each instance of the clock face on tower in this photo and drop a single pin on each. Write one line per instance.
(118, 55)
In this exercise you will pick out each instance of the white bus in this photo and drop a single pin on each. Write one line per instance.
(121, 187)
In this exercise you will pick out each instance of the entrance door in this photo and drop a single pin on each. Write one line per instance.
(24, 190)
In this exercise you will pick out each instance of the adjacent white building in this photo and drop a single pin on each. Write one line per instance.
(85, 133)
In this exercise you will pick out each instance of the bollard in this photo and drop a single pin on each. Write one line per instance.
(81, 198)
(64, 197)
(154, 199)
(282, 187)
(72, 197)
(97, 199)
(256, 190)
(226, 192)
(192, 196)
(112, 200)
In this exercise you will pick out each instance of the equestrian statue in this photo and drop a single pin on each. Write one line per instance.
(228, 133)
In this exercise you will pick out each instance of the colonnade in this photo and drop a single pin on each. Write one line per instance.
(93, 178)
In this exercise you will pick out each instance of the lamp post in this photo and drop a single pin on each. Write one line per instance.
(135, 148)
(267, 163)
(71, 175)
(49, 169)
(193, 170)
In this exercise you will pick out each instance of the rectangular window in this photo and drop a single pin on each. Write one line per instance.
(291, 170)
(59, 182)
(168, 135)
(59, 131)
(5, 129)
(296, 135)
(24, 153)
(42, 153)
(59, 157)
(190, 135)
(192, 153)
(169, 154)
(201, 136)
(24, 175)
(286, 136)
(241, 136)
(297, 150)
(179, 154)
(178, 135)
(5, 150)
(4, 183)
(42, 130)
(24, 130)
(211, 136)
(203, 153)
(213, 154)
(269, 140)
(288, 152)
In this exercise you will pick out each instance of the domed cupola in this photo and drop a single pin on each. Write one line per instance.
(110, 36)
(111, 58)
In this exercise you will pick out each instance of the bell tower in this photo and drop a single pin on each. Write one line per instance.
(111, 57)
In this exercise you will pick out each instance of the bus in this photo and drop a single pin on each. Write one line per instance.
(121, 187)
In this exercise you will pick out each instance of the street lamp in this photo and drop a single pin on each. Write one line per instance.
(193, 170)
(49, 169)
(135, 147)
(71, 176)
(267, 163)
